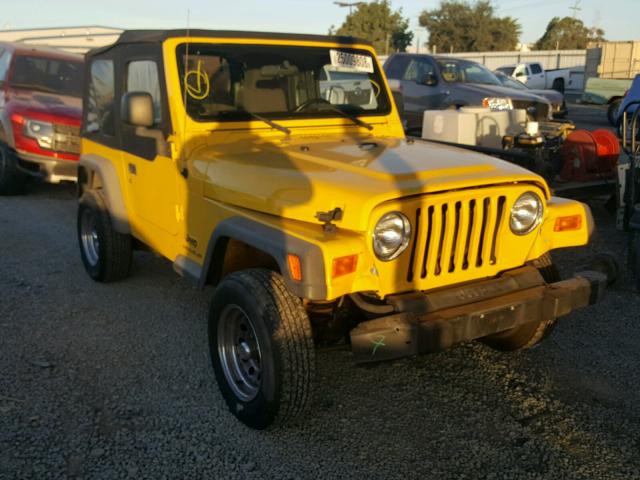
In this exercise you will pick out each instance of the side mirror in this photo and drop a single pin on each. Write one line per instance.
(137, 109)
(430, 80)
(520, 74)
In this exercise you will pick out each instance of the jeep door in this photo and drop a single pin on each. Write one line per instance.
(151, 172)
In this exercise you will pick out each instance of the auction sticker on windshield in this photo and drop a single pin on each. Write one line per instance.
(351, 61)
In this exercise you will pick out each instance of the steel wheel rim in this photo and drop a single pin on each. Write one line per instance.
(239, 353)
(89, 237)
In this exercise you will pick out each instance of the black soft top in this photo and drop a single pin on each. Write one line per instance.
(159, 36)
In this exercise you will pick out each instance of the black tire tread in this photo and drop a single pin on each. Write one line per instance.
(547, 268)
(530, 334)
(634, 258)
(116, 247)
(12, 182)
(291, 330)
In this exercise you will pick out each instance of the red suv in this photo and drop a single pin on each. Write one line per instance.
(40, 114)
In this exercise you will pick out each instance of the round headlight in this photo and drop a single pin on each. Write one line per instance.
(391, 236)
(526, 213)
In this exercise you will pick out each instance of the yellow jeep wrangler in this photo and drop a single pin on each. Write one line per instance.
(275, 167)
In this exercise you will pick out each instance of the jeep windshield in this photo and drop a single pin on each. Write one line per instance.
(235, 82)
(454, 70)
(59, 77)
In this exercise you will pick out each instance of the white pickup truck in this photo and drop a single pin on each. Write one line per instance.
(535, 76)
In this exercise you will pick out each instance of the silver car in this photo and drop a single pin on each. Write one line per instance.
(556, 99)
(429, 82)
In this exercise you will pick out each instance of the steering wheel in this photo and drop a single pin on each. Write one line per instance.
(311, 101)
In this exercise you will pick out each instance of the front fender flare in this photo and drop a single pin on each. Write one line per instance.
(276, 243)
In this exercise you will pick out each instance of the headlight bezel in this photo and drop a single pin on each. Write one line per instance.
(539, 213)
(404, 240)
(41, 131)
(498, 104)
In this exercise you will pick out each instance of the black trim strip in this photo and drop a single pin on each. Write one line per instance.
(159, 36)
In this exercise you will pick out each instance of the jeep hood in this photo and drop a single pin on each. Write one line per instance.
(299, 178)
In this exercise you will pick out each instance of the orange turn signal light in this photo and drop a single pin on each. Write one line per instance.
(295, 267)
(572, 222)
(19, 119)
(344, 265)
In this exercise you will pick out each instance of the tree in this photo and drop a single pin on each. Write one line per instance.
(458, 26)
(568, 33)
(376, 22)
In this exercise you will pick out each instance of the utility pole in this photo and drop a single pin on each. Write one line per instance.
(350, 5)
(418, 31)
(576, 7)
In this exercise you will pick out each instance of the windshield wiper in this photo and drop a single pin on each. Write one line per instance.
(353, 118)
(287, 131)
(271, 123)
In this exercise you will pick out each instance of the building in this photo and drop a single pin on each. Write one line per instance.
(72, 39)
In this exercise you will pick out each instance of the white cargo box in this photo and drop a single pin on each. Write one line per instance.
(449, 126)
(472, 125)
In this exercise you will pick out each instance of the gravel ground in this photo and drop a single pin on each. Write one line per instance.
(114, 382)
(590, 117)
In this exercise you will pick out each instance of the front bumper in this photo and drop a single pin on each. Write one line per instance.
(435, 321)
(49, 169)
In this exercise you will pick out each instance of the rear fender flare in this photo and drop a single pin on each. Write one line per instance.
(97, 172)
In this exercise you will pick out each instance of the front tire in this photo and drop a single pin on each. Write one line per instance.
(529, 334)
(12, 182)
(261, 348)
(106, 253)
(634, 258)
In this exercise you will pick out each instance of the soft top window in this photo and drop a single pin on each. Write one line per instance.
(99, 105)
(142, 76)
(232, 82)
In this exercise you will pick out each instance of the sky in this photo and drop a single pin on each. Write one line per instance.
(618, 18)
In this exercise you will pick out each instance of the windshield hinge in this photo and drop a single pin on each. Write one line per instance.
(327, 218)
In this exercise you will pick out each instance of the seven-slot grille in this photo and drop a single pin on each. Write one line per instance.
(456, 236)
(66, 138)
